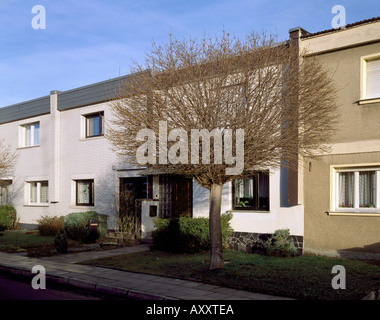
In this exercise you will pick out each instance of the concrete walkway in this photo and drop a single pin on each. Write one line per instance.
(64, 270)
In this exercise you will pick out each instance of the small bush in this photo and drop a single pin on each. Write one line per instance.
(8, 218)
(259, 246)
(60, 242)
(187, 235)
(76, 226)
(49, 226)
(44, 250)
(281, 244)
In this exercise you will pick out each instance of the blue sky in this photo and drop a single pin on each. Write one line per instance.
(87, 41)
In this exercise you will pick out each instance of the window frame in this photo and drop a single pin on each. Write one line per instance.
(100, 115)
(356, 209)
(26, 143)
(363, 79)
(91, 195)
(257, 207)
(38, 193)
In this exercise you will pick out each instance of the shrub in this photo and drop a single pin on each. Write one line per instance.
(60, 242)
(44, 250)
(187, 235)
(8, 219)
(76, 226)
(49, 226)
(281, 244)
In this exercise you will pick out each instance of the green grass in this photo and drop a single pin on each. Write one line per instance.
(304, 277)
(20, 241)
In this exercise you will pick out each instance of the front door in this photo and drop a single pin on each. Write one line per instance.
(131, 189)
(176, 196)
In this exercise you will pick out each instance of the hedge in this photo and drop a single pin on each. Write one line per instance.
(187, 235)
(76, 226)
(8, 217)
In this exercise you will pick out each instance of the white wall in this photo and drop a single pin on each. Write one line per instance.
(62, 156)
(32, 165)
(254, 221)
(87, 158)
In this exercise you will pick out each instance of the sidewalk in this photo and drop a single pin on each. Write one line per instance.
(63, 270)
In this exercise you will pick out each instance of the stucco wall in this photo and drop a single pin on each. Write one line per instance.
(356, 122)
(356, 141)
(323, 231)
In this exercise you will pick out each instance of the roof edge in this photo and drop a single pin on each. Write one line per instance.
(347, 26)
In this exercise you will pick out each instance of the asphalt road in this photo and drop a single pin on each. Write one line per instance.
(14, 289)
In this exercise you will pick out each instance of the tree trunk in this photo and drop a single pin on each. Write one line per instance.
(216, 258)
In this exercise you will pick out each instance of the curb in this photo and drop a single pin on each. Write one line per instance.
(88, 287)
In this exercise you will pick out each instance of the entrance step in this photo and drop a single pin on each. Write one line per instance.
(117, 238)
(110, 241)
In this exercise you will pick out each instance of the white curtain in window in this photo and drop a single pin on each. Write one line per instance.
(33, 192)
(367, 189)
(84, 192)
(90, 127)
(28, 136)
(44, 192)
(346, 189)
(373, 79)
(248, 188)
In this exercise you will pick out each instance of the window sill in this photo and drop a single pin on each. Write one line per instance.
(247, 211)
(36, 205)
(354, 214)
(368, 101)
(28, 147)
(91, 138)
(82, 207)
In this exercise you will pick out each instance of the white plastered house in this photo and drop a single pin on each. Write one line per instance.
(65, 164)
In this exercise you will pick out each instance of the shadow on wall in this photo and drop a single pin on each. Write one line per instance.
(371, 248)
(284, 201)
(201, 200)
(201, 197)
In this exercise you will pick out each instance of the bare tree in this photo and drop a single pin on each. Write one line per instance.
(262, 94)
(7, 160)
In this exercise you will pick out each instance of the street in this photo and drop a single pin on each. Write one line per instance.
(14, 289)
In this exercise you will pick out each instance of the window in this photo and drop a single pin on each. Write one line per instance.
(85, 192)
(251, 193)
(5, 191)
(38, 192)
(358, 189)
(30, 134)
(371, 77)
(95, 124)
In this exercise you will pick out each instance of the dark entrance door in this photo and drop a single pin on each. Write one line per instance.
(131, 189)
(176, 196)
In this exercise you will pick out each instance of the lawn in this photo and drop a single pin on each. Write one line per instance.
(31, 242)
(21, 241)
(303, 277)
